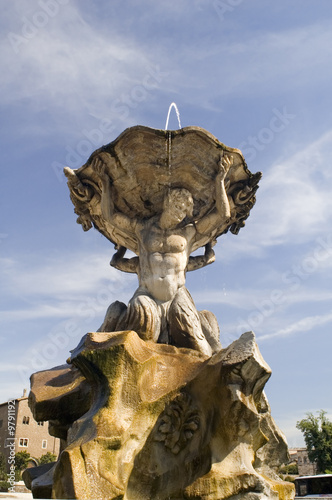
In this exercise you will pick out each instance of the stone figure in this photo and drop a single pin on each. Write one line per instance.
(150, 406)
(200, 189)
(162, 308)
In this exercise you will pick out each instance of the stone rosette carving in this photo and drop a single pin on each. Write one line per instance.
(178, 423)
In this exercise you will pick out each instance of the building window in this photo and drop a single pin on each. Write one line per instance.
(44, 443)
(1, 423)
(23, 442)
(26, 420)
(40, 423)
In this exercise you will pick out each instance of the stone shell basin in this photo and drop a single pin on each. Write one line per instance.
(143, 163)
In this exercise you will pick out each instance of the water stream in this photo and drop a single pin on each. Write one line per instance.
(173, 105)
(169, 157)
(169, 141)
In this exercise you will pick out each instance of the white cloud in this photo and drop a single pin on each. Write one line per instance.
(294, 207)
(72, 66)
(246, 298)
(66, 277)
(78, 65)
(80, 286)
(50, 303)
(295, 203)
(261, 62)
(303, 325)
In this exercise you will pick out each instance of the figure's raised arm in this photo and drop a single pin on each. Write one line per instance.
(123, 264)
(108, 210)
(80, 191)
(199, 261)
(221, 214)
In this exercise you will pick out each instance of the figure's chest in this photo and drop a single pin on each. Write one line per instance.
(157, 240)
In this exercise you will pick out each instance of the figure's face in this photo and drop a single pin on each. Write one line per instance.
(178, 205)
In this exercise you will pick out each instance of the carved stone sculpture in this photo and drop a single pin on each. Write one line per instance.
(163, 195)
(150, 406)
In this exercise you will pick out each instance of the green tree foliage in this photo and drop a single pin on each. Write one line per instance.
(3, 470)
(47, 458)
(4, 486)
(317, 432)
(289, 469)
(21, 460)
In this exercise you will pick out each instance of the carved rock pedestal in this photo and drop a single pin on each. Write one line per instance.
(142, 421)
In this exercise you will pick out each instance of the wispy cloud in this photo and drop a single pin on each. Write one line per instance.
(83, 66)
(71, 65)
(59, 288)
(69, 275)
(55, 301)
(303, 325)
(295, 203)
(263, 58)
(245, 298)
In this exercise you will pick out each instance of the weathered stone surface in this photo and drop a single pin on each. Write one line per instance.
(144, 163)
(169, 423)
(60, 396)
(150, 406)
(163, 195)
(40, 480)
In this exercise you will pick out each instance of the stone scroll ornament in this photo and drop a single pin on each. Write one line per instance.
(150, 406)
(162, 195)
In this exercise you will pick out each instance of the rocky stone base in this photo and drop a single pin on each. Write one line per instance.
(140, 420)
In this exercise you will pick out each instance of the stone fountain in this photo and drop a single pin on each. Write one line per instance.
(150, 406)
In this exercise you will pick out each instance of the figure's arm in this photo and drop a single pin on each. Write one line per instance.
(126, 265)
(108, 211)
(222, 202)
(221, 214)
(202, 260)
(79, 190)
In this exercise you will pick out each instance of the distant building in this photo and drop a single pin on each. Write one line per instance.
(28, 435)
(300, 456)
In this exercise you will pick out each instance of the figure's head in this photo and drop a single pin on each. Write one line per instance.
(178, 204)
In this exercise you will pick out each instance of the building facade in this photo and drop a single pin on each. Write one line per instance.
(300, 456)
(20, 432)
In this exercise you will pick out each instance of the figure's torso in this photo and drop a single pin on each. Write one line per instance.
(163, 257)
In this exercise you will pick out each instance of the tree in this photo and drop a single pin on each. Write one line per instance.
(317, 432)
(3, 470)
(47, 458)
(21, 460)
(289, 469)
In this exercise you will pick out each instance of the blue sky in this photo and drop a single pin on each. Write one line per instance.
(255, 74)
